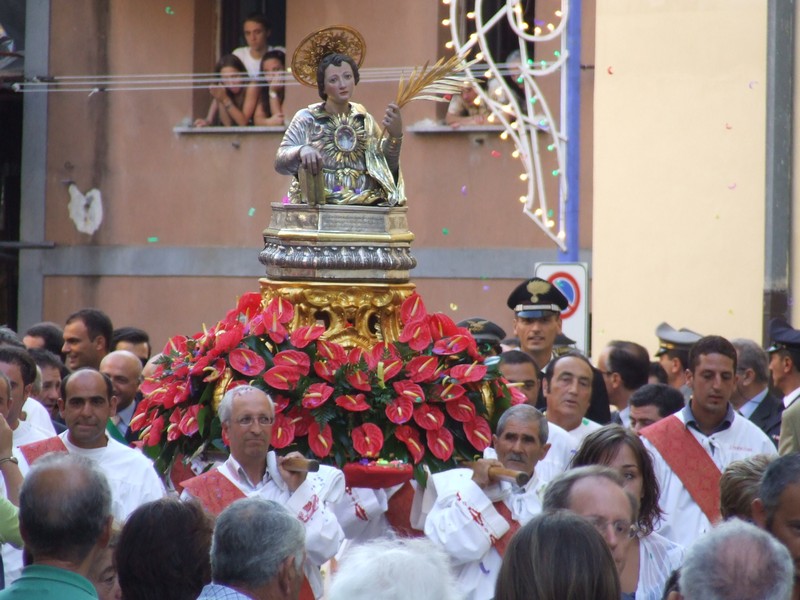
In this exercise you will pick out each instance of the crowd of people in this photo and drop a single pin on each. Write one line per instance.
(631, 489)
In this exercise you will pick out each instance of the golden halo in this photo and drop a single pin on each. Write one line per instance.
(340, 39)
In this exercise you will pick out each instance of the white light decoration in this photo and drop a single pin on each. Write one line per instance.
(524, 125)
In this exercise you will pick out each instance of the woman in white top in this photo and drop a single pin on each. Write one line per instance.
(651, 557)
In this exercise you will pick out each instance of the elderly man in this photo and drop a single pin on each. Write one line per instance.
(257, 553)
(124, 369)
(567, 387)
(736, 560)
(691, 448)
(65, 520)
(247, 415)
(477, 513)
(87, 403)
(625, 367)
(777, 508)
(597, 494)
(87, 338)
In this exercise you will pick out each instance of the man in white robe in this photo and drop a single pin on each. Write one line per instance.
(476, 514)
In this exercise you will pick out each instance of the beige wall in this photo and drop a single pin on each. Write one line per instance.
(679, 168)
(197, 191)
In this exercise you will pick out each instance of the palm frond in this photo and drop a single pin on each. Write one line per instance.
(444, 77)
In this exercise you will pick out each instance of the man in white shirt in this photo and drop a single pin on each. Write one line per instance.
(567, 387)
(691, 448)
(475, 514)
(86, 405)
(256, 33)
(247, 415)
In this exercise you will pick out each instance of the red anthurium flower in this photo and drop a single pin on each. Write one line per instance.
(412, 308)
(410, 437)
(282, 431)
(303, 336)
(316, 395)
(392, 368)
(400, 410)
(150, 385)
(198, 367)
(359, 380)
(188, 424)
(410, 390)
(382, 352)
(326, 369)
(301, 419)
(417, 335)
(293, 359)
(320, 440)
(140, 416)
(215, 370)
(228, 339)
(274, 328)
(440, 443)
(367, 440)
(249, 304)
(468, 373)
(173, 432)
(441, 326)
(156, 430)
(180, 394)
(246, 361)
(331, 351)
(352, 402)
(461, 410)
(280, 403)
(447, 393)
(478, 433)
(422, 368)
(281, 308)
(356, 355)
(452, 345)
(428, 417)
(517, 396)
(282, 378)
(176, 346)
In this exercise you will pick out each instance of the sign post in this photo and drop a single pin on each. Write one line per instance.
(572, 279)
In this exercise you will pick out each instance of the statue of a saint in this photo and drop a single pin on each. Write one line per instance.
(359, 163)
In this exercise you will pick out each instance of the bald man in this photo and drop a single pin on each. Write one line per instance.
(124, 369)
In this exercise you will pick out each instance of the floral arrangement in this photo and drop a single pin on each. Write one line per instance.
(427, 399)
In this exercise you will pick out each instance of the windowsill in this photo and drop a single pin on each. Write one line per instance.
(217, 130)
(428, 126)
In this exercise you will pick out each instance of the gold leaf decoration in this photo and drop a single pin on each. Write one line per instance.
(536, 288)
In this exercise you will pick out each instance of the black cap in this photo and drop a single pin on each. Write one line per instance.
(670, 338)
(536, 298)
(783, 336)
(483, 330)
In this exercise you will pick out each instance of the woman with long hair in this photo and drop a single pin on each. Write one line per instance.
(234, 99)
(269, 110)
(557, 556)
(651, 557)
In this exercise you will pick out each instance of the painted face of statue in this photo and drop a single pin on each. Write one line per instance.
(339, 83)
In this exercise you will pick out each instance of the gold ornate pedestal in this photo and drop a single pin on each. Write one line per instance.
(355, 314)
(346, 267)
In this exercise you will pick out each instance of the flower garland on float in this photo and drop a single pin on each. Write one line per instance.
(429, 399)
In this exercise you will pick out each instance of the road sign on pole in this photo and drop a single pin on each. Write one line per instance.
(572, 279)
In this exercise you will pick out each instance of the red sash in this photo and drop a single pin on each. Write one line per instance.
(689, 461)
(34, 451)
(502, 543)
(398, 512)
(214, 491)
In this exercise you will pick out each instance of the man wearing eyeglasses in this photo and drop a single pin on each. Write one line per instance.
(597, 494)
(247, 415)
